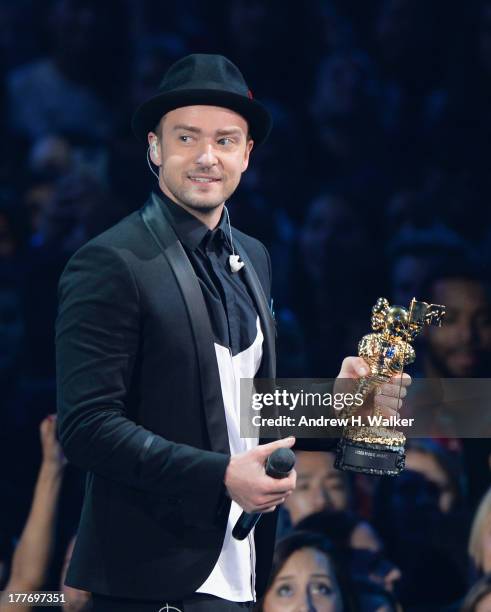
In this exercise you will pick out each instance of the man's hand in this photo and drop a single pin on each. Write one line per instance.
(387, 398)
(247, 482)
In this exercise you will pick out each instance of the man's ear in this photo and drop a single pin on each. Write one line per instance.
(153, 144)
(249, 145)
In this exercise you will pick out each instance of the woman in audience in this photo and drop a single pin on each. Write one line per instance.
(304, 574)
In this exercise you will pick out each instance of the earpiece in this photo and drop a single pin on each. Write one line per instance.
(153, 146)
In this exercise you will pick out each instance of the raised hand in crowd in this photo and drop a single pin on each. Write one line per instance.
(33, 553)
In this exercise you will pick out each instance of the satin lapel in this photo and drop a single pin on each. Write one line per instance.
(164, 235)
(267, 321)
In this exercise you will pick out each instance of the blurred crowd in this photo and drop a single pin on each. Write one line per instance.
(375, 182)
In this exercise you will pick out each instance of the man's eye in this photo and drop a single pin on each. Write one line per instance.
(225, 141)
(184, 138)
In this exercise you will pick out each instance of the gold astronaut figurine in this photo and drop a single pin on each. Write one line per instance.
(379, 449)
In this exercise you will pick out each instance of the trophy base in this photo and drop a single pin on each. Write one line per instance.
(375, 459)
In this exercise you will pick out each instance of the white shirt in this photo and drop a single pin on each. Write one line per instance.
(233, 576)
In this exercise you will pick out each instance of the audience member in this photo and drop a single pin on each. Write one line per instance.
(320, 486)
(439, 467)
(415, 254)
(304, 577)
(461, 348)
(30, 564)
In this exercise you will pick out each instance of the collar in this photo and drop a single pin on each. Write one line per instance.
(190, 230)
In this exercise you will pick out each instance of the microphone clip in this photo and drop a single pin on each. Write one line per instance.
(235, 264)
(233, 260)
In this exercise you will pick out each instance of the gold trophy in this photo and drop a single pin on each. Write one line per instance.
(373, 448)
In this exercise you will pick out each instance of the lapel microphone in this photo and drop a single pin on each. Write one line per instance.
(233, 260)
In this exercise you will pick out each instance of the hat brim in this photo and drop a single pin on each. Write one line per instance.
(148, 114)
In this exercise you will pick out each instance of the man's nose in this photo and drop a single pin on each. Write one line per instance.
(466, 332)
(206, 156)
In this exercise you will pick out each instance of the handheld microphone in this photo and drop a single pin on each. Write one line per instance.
(279, 465)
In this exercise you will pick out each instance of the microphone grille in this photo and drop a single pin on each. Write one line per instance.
(282, 460)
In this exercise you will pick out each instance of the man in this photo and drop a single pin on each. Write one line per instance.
(160, 317)
(461, 348)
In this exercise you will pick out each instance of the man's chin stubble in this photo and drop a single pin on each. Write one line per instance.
(194, 203)
(186, 199)
(203, 207)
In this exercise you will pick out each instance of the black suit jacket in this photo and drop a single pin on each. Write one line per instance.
(140, 408)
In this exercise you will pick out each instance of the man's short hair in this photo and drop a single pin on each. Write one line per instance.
(456, 268)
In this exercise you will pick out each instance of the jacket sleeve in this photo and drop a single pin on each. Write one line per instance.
(97, 337)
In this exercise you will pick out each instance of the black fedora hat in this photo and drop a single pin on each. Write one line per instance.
(203, 79)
